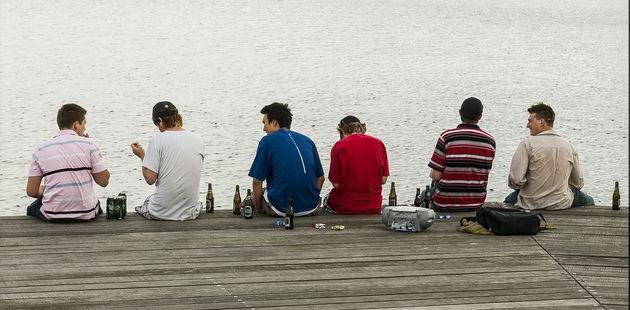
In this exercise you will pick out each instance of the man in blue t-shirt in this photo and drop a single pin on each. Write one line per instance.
(288, 161)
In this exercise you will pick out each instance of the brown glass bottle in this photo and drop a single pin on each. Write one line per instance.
(288, 216)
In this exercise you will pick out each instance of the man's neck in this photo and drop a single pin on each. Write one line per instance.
(174, 128)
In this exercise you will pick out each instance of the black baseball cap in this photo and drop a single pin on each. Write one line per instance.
(349, 119)
(163, 109)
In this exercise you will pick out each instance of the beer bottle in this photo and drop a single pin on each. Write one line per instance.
(288, 216)
(417, 201)
(209, 199)
(237, 202)
(616, 197)
(427, 197)
(392, 195)
(248, 206)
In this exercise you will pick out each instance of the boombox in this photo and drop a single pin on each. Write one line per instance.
(407, 218)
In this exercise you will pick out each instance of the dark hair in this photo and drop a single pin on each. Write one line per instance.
(471, 110)
(543, 111)
(280, 113)
(68, 114)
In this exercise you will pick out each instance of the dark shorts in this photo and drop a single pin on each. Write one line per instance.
(34, 210)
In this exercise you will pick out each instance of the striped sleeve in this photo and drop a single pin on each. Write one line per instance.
(96, 160)
(438, 160)
(35, 170)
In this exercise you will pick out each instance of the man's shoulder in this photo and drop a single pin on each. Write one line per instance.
(549, 138)
(466, 131)
(60, 142)
(300, 135)
(360, 139)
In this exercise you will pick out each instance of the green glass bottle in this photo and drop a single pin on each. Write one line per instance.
(248, 206)
(616, 197)
(209, 199)
(236, 206)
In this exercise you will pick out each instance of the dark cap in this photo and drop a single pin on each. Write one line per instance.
(163, 109)
(471, 109)
(349, 119)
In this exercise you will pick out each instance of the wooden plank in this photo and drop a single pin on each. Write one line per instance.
(275, 295)
(222, 261)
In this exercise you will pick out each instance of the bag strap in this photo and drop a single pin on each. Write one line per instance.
(546, 225)
(467, 218)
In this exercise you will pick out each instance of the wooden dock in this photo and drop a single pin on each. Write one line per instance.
(222, 261)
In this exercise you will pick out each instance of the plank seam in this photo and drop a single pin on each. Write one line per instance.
(567, 272)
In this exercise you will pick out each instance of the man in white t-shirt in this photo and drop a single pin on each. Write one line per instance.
(172, 162)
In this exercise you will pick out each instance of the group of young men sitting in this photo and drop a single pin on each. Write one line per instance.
(545, 170)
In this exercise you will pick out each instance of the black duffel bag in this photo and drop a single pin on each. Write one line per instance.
(504, 221)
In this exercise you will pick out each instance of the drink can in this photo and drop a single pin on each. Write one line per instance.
(109, 210)
(116, 209)
(123, 204)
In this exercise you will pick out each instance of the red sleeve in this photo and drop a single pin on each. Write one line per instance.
(334, 173)
(385, 163)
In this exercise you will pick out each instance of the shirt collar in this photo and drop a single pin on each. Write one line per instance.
(65, 132)
(548, 132)
(464, 125)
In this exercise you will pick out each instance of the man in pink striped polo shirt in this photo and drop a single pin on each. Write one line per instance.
(67, 164)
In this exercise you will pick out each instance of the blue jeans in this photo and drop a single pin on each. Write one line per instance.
(34, 210)
(580, 198)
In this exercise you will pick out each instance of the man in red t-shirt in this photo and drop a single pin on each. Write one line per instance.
(358, 169)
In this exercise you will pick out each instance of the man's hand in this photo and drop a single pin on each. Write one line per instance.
(137, 150)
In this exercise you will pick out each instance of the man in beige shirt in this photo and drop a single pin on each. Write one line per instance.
(545, 171)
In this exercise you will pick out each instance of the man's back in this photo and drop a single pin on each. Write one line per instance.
(358, 164)
(67, 163)
(177, 157)
(544, 165)
(464, 155)
(290, 164)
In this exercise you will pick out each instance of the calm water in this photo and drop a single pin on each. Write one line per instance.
(403, 67)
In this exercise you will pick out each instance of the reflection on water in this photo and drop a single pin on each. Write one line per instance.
(401, 66)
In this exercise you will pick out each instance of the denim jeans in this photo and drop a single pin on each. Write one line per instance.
(34, 210)
(580, 198)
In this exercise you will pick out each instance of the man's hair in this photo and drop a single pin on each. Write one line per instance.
(543, 111)
(68, 114)
(280, 113)
(170, 121)
(471, 110)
